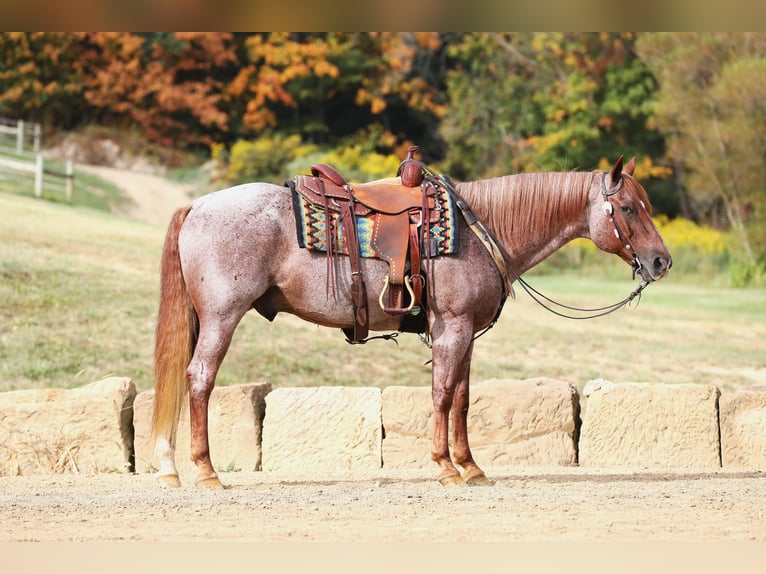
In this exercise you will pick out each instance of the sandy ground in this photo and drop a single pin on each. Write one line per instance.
(548, 504)
(152, 199)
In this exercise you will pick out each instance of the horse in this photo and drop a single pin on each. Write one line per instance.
(235, 250)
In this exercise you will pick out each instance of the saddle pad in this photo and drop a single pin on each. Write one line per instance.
(311, 227)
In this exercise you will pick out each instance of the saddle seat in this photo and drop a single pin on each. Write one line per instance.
(388, 196)
(398, 206)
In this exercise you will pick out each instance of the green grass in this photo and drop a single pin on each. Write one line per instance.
(79, 291)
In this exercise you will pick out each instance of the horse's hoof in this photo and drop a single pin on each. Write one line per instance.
(211, 483)
(169, 481)
(478, 480)
(451, 480)
(474, 476)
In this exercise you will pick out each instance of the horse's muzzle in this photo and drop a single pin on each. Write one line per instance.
(659, 267)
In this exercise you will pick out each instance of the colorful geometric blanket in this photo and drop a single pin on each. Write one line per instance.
(311, 227)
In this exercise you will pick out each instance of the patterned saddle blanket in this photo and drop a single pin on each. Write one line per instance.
(312, 228)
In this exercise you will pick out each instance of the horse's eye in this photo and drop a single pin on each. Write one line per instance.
(627, 209)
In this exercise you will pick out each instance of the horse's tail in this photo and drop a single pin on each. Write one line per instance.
(176, 336)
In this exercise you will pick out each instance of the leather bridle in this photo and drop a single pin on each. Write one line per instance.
(609, 210)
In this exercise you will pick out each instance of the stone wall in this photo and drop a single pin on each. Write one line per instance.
(322, 429)
(104, 427)
(743, 428)
(85, 430)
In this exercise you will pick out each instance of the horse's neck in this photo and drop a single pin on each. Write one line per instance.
(531, 215)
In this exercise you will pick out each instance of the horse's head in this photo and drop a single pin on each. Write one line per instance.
(620, 222)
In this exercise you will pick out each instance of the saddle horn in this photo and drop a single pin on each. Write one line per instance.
(411, 170)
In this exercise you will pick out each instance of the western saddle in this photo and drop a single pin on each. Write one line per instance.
(404, 207)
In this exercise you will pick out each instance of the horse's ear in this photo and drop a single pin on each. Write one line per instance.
(631, 167)
(616, 172)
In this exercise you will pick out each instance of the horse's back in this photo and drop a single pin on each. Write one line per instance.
(240, 201)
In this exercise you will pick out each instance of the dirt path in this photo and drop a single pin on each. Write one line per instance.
(551, 504)
(153, 198)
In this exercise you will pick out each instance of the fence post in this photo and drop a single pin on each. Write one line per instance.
(19, 136)
(69, 179)
(39, 175)
(38, 133)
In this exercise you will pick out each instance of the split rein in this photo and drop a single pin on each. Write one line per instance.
(550, 305)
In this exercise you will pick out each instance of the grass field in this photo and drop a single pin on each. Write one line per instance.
(78, 299)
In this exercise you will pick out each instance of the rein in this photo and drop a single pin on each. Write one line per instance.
(544, 302)
(503, 266)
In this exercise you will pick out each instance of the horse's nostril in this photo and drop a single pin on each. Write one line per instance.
(660, 264)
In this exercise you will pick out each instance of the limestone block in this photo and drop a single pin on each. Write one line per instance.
(530, 422)
(83, 430)
(408, 424)
(742, 416)
(650, 425)
(235, 418)
(322, 429)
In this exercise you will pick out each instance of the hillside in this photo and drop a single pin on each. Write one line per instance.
(78, 290)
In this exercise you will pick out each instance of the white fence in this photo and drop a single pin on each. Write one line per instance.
(20, 136)
(21, 160)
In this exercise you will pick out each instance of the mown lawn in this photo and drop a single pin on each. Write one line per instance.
(78, 299)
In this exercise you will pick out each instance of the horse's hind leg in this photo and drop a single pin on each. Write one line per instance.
(213, 342)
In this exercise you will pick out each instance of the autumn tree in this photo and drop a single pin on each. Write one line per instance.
(40, 78)
(547, 101)
(327, 86)
(167, 85)
(163, 83)
(711, 108)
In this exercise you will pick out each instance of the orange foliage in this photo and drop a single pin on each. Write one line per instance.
(277, 60)
(189, 87)
(152, 89)
(391, 75)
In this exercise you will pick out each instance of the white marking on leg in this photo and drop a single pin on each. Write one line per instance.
(167, 455)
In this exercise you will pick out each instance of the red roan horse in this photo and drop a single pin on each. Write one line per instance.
(236, 249)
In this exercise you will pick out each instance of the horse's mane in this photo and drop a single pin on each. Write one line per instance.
(527, 204)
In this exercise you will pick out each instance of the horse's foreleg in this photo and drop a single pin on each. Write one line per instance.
(461, 450)
(448, 353)
(211, 348)
(442, 398)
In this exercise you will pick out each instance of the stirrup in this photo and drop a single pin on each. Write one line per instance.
(394, 310)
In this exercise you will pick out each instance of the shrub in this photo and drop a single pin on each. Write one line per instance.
(264, 159)
(352, 162)
(744, 274)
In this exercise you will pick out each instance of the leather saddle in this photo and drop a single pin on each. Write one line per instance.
(401, 209)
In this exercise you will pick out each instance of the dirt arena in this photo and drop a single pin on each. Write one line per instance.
(550, 504)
